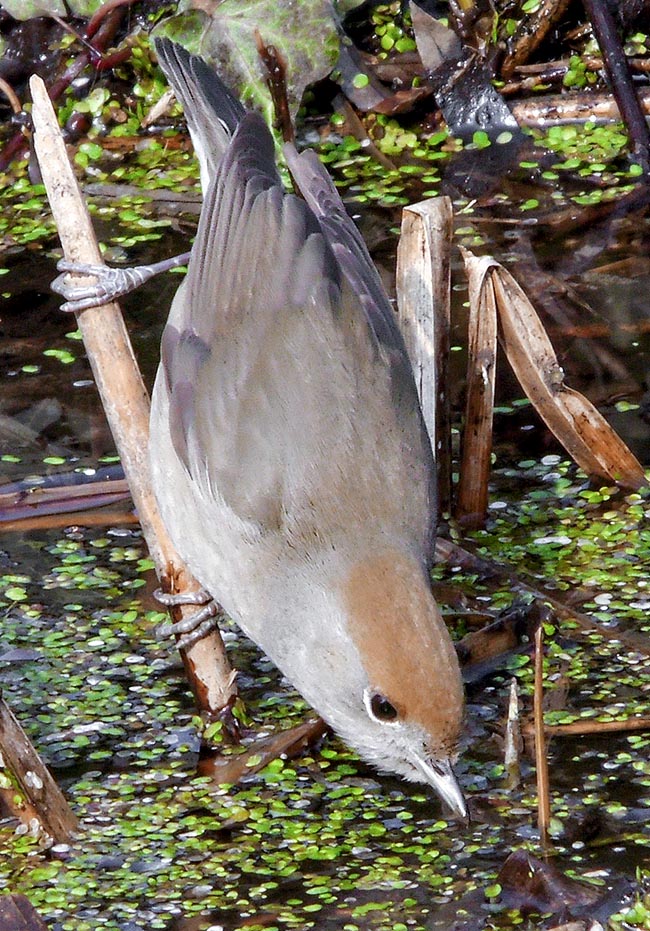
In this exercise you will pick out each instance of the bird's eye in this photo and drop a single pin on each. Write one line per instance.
(381, 708)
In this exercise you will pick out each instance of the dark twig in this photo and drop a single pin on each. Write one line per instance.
(276, 80)
(95, 22)
(533, 31)
(604, 26)
(11, 96)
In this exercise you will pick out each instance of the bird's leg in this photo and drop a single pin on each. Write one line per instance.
(190, 629)
(111, 283)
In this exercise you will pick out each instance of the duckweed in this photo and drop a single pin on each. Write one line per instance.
(319, 836)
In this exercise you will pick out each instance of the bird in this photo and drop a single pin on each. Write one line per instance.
(289, 456)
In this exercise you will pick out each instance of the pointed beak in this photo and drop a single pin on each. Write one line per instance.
(440, 776)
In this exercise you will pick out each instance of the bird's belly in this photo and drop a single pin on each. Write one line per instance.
(218, 548)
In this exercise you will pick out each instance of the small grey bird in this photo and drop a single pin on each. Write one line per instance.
(290, 459)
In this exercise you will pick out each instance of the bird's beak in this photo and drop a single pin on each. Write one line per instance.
(440, 776)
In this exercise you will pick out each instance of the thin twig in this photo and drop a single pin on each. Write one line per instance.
(11, 96)
(275, 65)
(541, 761)
(578, 728)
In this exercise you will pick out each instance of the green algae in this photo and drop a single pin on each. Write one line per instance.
(321, 836)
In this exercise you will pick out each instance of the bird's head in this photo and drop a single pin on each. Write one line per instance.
(377, 662)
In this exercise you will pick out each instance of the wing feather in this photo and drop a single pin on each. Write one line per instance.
(292, 403)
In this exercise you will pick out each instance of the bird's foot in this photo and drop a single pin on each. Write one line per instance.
(193, 628)
(110, 283)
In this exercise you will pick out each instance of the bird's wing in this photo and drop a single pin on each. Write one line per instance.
(284, 403)
(316, 186)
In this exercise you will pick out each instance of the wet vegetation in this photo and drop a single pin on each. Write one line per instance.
(319, 840)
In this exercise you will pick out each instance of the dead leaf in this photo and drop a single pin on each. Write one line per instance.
(481, 369)
(582, 430)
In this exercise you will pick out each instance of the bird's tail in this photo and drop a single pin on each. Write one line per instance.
(211, 111)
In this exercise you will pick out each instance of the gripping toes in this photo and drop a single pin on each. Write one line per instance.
(193, 628)
(110, 284)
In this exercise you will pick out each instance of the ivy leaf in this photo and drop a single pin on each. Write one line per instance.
(225, 34)
(27, 9)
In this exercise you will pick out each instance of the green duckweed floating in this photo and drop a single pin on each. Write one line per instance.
(316, 839)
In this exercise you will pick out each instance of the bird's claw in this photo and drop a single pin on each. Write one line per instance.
(173, 600)
(189, 630)
(83, 296)
(110, 284)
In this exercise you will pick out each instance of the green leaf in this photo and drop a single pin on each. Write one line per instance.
(481, 139)
(306, 36)
(27, 9)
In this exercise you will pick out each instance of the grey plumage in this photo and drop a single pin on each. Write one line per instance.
(290, 460)
(280, 294)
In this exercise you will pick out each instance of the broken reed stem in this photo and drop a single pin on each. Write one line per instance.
(41, 797)
(476, 458)
(577, 728)
(423, 280)
(541, 761)
(571, 417)
(123, 395)
(512, 743)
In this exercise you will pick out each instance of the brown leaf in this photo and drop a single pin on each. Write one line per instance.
(581, 429)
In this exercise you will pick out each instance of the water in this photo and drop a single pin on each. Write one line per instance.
(322, 841)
